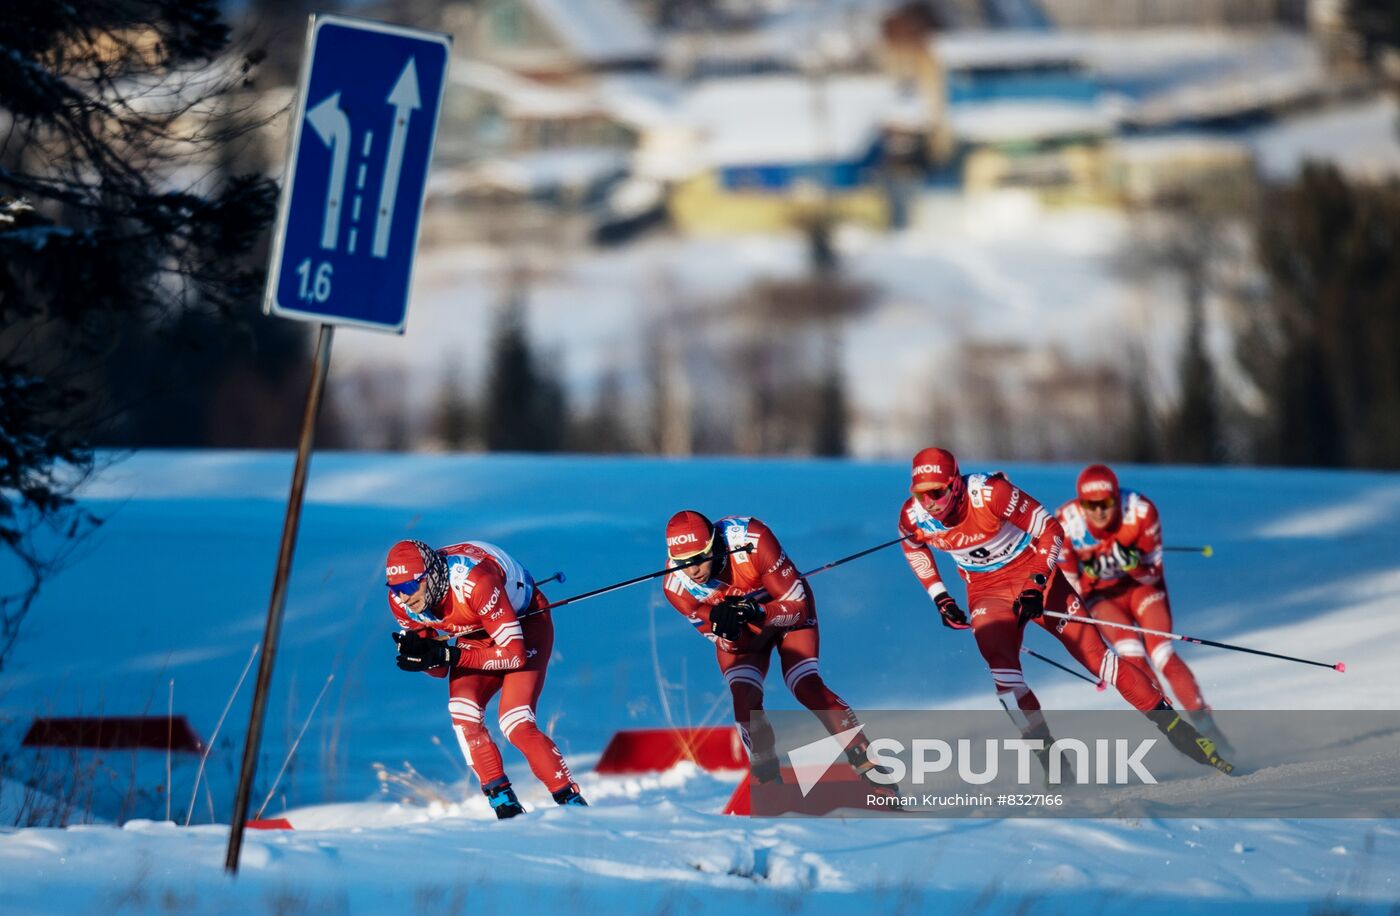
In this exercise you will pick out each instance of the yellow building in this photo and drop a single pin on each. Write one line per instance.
(701, 205)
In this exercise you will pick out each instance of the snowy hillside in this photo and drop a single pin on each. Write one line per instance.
(174, 587)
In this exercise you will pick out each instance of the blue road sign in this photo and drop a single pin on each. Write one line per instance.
(357, 170)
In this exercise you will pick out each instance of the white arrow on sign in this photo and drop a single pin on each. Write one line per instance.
(405, 99)
(333, 127)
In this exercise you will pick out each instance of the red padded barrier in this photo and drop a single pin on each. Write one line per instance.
(653, 750)
(147, 732)
(833, 792)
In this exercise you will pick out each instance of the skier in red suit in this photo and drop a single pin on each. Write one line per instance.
(748, 599)
(1006, 547)
(438, 595)
(1114, 560)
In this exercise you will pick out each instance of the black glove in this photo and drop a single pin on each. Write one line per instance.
(953, 616)
(419, 653)
(731, 615)
(1030, 604)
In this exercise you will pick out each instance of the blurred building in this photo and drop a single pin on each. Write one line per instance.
(1197, 14)
(755, 117)
(549, 100)
(1022, 109)
(769, 149)
(1143, 171)
(554, 40)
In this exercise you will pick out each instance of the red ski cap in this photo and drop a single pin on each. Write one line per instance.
(407, 561)
(688, 534)
(1096, 483)
(933, 467)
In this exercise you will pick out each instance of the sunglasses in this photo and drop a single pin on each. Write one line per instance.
(933, 494)
(1098, 505)
(405, 588)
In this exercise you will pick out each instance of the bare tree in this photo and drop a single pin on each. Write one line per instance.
(1193, 240)
(605, 428)
(1326, 333)
(104, 101)
(454, 422)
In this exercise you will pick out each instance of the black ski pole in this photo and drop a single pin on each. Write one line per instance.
(1079, 618)
(1098, 685)
(651, 575)
(477, 634)
(855, 556)
(838, 562)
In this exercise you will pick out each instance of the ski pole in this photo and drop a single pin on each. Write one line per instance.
(855, 556)
(1098, 685)
(477, 634)
(1205, 551)
(696, 561)
(557, 577)
(835, 563)
(1077, 618)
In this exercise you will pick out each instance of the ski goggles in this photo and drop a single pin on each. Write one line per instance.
(1097, 505)
(704, 550)
(406, 588)
(932, 492)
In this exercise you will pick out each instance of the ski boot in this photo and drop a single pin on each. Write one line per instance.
(1184, 737)
(766, 769)
(1043, 735)
(502, 798)
(569, 795)
(1205, 724)
(858, 757)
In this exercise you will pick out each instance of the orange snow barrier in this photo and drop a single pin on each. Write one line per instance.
(154, 733)
(653, 750)
(272, 823)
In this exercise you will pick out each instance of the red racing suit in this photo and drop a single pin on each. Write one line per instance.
(1000, 538)
(758, 566)
(487, 590)
(1134, 596)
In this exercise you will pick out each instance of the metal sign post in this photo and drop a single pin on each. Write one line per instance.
(347, 230)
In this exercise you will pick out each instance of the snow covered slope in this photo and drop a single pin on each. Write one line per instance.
(175, 585)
